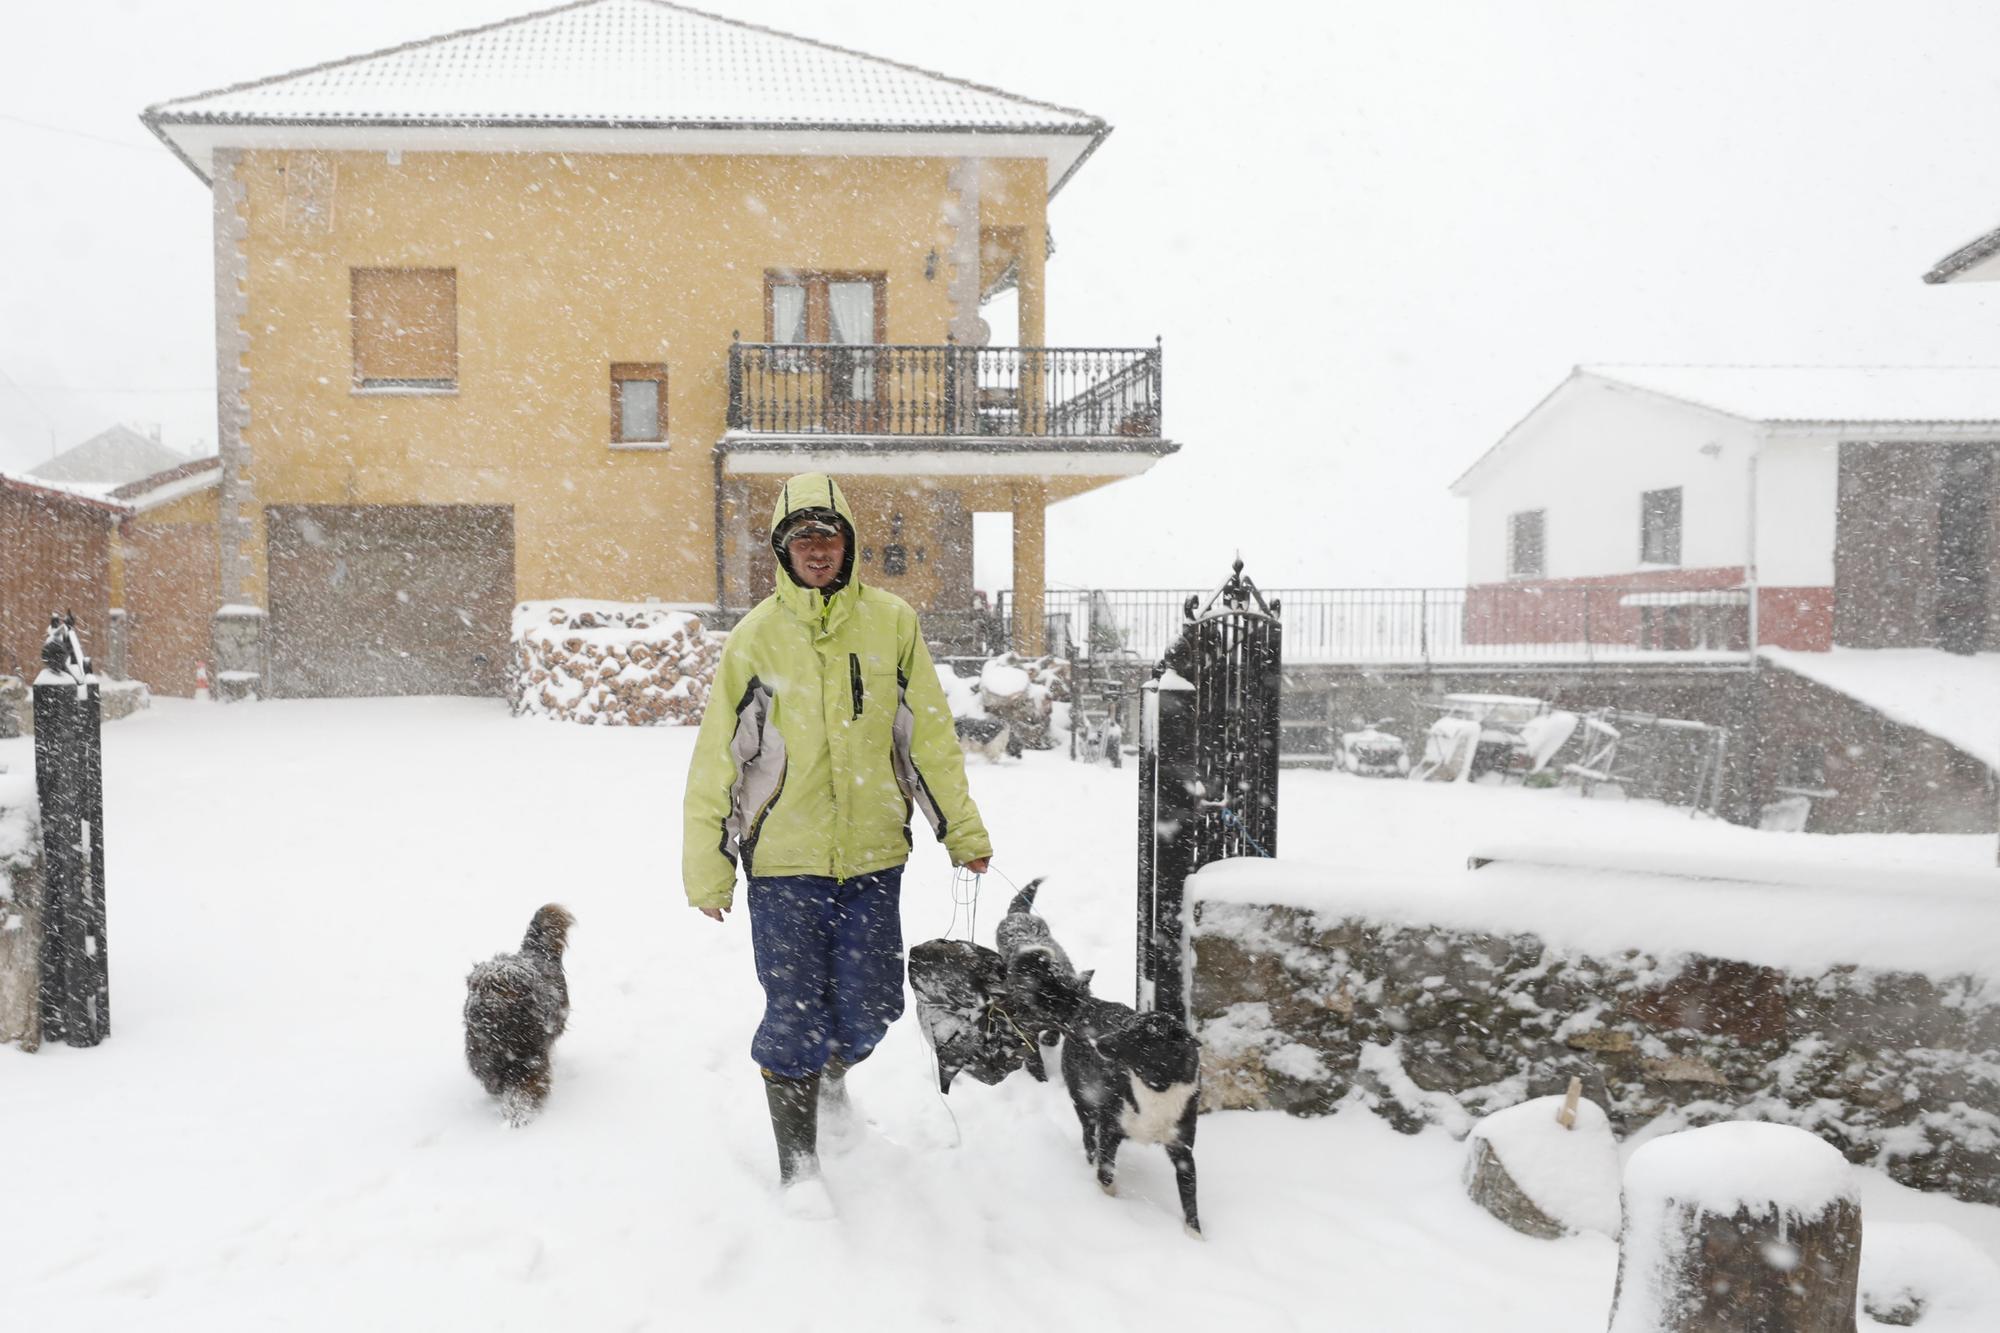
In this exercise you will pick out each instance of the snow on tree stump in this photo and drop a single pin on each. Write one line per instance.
(1547, 1167)
(1745, 1227)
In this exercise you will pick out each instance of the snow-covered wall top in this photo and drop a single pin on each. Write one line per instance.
(1797, 902)
(1589, 453)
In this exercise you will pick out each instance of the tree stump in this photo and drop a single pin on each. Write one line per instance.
(1546, 1167)
(1738, 1228)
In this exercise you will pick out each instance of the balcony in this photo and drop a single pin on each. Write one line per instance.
(1107, 396)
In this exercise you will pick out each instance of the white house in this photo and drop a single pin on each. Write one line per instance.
(1697, 505)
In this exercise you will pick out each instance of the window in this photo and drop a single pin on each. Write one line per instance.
(1525, 544)
(1660, 527)
(638, 403)
(405, 328)
(845, 310)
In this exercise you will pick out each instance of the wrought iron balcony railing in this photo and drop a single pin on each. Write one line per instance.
(908, 389)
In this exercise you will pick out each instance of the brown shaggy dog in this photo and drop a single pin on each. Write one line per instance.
(516, 1005)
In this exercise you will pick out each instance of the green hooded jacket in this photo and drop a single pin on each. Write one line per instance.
(825, 729)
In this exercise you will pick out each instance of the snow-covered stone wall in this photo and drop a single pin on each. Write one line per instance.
(612, 663)
(1303, 1010)
(20, 910)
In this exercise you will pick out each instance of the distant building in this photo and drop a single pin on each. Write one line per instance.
(114, 457)
(135, 562)
(549, 307)
(1824, 513)
(1855, 505)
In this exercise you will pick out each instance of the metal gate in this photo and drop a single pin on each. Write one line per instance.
(1208, 768)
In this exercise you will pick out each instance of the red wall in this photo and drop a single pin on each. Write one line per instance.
(55, 555)
(1573, 610)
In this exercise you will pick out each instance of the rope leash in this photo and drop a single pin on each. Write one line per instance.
(965, 885)
(965, 895)
(1232, 817)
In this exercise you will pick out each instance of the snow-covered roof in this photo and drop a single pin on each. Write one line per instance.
(170, 484)
(86, 494)
(1953, 697)
(120, 500)
(114, 456)
(1916, 401)
(624, 66)
(1969, 263)
(1897, 395)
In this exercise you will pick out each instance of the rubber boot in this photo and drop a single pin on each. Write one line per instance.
(833, 1085)
(794, 1104)
(839, 1127)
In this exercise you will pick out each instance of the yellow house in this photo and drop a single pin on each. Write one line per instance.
(548, 308)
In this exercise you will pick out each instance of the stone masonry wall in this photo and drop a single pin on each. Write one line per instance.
(1303, 1013)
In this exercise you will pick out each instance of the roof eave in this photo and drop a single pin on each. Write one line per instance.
(163, 123)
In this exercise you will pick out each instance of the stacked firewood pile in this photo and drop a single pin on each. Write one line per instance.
(612, 663)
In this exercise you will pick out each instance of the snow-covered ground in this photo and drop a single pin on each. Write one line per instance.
(281, 1131)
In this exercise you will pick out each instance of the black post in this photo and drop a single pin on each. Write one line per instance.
(69, 781)
(735, 418)
(1208, 769)
(1169, 818)
(951, 384)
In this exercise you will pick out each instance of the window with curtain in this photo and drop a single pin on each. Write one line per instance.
(845, 310)
(638, 403)
(405, 328)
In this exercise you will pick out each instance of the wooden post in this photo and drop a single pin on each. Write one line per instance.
(1566, 1117)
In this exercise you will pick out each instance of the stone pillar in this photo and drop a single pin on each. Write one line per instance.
(121, 633)
(1031, 498)
(951, 550)
(17, 708)
(236, 501)
(739, 544)
(237, 653)
(20, 927)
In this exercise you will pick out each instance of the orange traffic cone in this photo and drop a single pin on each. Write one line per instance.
(201, 680)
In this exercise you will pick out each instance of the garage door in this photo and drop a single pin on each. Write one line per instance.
(390, 599)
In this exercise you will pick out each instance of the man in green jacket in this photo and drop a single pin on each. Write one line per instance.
(825, 729)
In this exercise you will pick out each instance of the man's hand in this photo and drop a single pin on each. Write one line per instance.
(978, 867)
(713, 913)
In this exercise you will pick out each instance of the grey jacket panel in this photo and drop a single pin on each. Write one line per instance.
(758, 751)
(908, 777)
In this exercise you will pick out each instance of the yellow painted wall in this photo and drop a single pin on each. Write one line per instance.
(200, 507)
(566, 264)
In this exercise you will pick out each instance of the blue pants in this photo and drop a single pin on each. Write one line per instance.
(830, 956)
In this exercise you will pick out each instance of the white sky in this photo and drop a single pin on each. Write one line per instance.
(1372, 235)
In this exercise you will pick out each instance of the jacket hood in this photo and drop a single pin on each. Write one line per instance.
(812, 492)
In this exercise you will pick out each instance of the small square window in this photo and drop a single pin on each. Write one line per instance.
(1526, 544)
(638, 403)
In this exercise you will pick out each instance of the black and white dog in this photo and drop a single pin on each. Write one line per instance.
(1130, 1075)
(988, 736)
